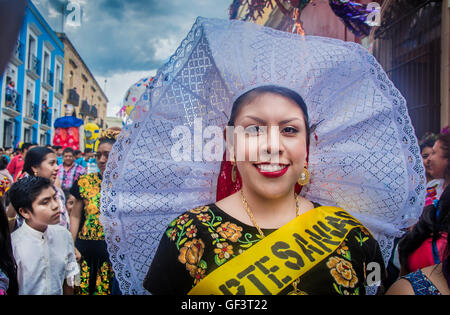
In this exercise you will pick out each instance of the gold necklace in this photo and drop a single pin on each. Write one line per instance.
(295, 284)
(250, 214)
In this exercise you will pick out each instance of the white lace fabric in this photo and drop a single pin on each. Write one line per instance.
(363, 156)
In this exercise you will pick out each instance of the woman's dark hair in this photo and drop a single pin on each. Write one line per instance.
(3, 162)
(34, 158)
(24, 192)
(429, 225)
(7, 262)
(444, 140)
(282, 91)
(427, 143)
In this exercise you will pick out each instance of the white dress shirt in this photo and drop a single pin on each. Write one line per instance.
(44, 260)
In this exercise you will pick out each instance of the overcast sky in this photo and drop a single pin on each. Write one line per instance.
(122, 41)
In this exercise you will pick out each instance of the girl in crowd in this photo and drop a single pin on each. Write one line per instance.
(42, 162)
(97, 276)
(424, 252)
(319, 145)
(266, 202)
(438, 168)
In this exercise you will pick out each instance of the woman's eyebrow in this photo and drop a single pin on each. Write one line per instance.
(286, 121)
(259, 120)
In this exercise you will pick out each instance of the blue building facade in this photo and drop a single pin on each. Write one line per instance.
(31, 88)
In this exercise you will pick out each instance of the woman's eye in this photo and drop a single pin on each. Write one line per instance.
(290, 130)
(253, 130)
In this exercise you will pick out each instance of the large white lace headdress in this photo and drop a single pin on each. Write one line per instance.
(363, 156)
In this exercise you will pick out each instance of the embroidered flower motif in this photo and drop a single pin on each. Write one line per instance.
(230, 231)
(203, 217)
(183, 219)
(342, 272)
(199, 275)
(199, 210)
(191, 231)
(224, 250)
(172, 234)
(190, 255)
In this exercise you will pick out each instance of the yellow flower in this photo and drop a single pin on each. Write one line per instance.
(190, 255)
(224, 250)
(342, 272)
(230, 231)
(199, 210)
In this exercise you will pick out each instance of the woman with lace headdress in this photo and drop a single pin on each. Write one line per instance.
(322, 162)
(97, 276)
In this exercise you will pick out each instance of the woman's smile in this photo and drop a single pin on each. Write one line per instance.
(272, 170)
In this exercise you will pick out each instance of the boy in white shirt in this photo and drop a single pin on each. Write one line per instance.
(43, 250)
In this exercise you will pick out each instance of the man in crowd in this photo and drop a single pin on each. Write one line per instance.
(16, 164)
(69, 171)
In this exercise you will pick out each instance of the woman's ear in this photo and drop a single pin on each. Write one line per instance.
(35, 170)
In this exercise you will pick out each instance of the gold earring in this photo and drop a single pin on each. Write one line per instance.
(304, 177)
(233, 173)
(35, 174)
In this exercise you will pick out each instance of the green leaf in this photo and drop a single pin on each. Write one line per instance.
(210, 230)
(365, 239)
(189, 222)
(218, 260)
(182, 241)
(246, 245)
(216, 224)
(203, 264)
(357, 291)
(338, 290)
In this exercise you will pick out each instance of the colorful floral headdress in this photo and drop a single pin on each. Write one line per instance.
(111, 133)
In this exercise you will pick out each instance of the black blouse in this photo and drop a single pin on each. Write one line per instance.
(202, 239)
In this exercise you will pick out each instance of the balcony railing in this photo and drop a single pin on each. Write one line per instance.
(48, 77)
(73, 98)
(19, 50)
(34, 64)
(32, 111)
(59, 87)
(93, 112)
(85, 109)
(12, 99)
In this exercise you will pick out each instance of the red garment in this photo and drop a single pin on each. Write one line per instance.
(423, 256)
(67, 137)
(15, 166)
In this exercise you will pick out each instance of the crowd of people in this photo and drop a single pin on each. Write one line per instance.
(261, 234)
(44, 188)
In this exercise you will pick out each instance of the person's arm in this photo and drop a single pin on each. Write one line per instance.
(75, 218)
(401, 287)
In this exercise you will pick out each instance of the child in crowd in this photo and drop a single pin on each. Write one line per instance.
(70, 200)
(43, 249)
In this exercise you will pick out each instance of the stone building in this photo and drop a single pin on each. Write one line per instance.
(81, 88)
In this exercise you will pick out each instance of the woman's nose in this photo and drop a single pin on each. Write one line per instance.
(271, 144)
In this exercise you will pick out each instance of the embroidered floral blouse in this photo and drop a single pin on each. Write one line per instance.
(87, 188)
(201, 240)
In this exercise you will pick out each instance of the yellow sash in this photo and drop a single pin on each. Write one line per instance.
(282, 257)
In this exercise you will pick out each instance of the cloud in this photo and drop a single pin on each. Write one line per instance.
(128, 39)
